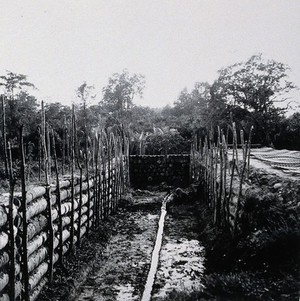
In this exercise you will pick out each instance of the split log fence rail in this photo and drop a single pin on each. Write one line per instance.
(40, 225)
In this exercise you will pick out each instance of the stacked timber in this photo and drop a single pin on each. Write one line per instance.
(37, 239)
(74, 208)
(9, 256)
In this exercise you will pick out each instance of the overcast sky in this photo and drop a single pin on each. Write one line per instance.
(174, 43)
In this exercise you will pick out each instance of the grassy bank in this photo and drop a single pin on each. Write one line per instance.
(262, 262)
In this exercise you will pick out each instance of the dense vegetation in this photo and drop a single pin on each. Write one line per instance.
(250, 93)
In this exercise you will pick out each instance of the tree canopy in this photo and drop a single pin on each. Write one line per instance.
(122, 88)
(251, 93)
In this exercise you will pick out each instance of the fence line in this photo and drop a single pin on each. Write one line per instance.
(221, 173)
(40, 226)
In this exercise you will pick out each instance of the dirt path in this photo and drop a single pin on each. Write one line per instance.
(120, 273)
(181, 264)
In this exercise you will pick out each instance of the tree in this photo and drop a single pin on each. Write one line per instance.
(118, 95)
(20, 104)
(85, 94)
(19, 109)
(190, 114)
(12, 81)
(166, 141)
(251, 90)
(288, 135)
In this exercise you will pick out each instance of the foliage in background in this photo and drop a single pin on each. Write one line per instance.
(249, 93)
(118, 95)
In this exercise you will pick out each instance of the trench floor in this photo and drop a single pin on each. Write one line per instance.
(120, 270)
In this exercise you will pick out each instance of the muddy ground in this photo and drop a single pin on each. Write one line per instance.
(181, 264)
(115, 265)
(120, 271)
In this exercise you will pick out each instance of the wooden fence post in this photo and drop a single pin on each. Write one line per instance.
(96, 187)
(46, 142)
(80, 205)
(73, 145)
(12, 275)
(4, 136)
(58, 200)
(24, 223)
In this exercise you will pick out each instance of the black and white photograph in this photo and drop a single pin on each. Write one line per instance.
(149, 150)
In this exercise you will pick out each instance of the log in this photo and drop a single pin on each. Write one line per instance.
(83, 230)
(3, 240)
(64, 194)
(36, 258)
(4, 279)
(84, 199)
(65, 235)
(35, 293)
(83, 220)
(36, 207)
(67, 207)
(54, 214)
(34, 193)
(66, 220)
(84, 209)
(55, 258)
(36, 275)
(4, 297)
(4, 212)
(76, 215)
(4, 259)
(66, 247)
(85, 186)
(36, 242)
(17, 269)
(18, 288)
(66, 183)
(55, 242)
(3, 216)
(36, 226)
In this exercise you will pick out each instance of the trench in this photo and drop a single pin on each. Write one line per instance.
(153, 251)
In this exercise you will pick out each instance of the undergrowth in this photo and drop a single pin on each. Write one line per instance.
(262, 262)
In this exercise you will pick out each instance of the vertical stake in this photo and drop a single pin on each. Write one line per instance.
(24, 228)
(12, 275)
(4, 136)
(58, 200)
(45, 142)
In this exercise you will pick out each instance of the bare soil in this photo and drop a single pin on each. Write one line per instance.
(181, 264)
(120, 271)
(113, 265)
